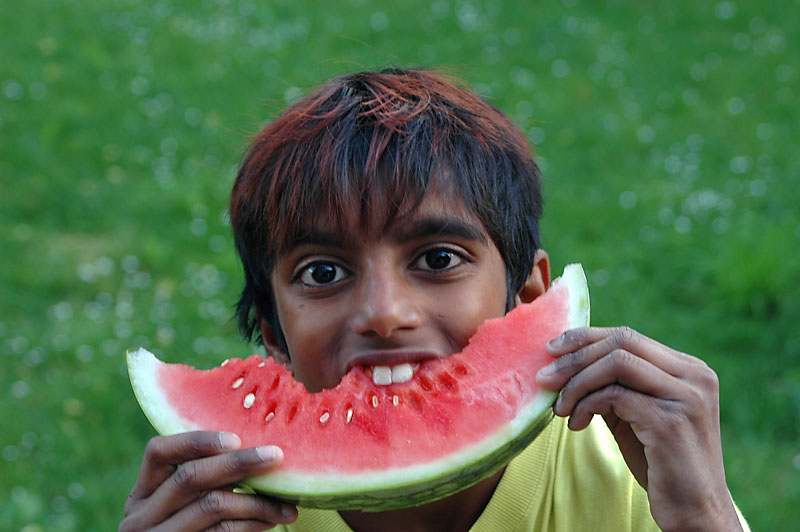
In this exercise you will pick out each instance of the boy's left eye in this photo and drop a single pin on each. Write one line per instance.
(438, 259)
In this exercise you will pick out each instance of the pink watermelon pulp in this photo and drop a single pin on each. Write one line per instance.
(361, 445)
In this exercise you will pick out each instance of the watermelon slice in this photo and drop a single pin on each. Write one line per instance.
(368, 446)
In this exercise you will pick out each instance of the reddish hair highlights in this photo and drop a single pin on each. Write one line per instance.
(371, 143)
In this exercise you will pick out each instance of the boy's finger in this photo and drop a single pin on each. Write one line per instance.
(210, 473)
(578, 348)
(237, 511)
(618, 367)
(164, 453)
(573, 339)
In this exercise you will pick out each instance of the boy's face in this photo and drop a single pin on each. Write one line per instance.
(417, 290)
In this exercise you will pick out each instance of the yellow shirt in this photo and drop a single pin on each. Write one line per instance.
(564, 481)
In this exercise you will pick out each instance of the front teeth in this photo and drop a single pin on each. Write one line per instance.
(402, 373)
(385, 375)
(382, 375)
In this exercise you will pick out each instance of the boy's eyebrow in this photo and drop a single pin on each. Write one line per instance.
(419, 228)
(440, 225)
(319, 237)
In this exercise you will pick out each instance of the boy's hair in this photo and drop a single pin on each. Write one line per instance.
(374, 143)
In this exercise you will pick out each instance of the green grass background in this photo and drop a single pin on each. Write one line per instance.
(667, 133)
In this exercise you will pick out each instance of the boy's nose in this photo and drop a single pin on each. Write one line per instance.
(385, 303)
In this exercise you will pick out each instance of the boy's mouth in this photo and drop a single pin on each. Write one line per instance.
(386, 375)
(392, 366)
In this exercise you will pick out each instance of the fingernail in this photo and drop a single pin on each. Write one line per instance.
(547, 371)
(269, 453)
(555, 343)
(229, 440)
(557, 405)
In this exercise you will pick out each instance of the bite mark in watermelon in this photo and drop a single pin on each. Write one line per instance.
(366, 446)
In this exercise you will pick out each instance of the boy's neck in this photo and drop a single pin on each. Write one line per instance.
(456, 513)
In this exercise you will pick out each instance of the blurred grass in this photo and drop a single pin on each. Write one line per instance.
(665, 133)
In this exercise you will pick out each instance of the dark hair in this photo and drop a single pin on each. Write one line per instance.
(376, 141)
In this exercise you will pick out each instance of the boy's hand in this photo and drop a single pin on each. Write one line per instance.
(185, 484)
(662, 407)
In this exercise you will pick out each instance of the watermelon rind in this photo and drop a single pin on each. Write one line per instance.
(142, 367)
(392, 488)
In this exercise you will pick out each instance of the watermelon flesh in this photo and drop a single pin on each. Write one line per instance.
(376, 447)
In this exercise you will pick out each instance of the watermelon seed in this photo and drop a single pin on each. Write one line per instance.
(225, 362)
(425, 383)
(292, 412)
(262, 364)
(324, 417)
(249, 399)
(349, 415)
(395, 400)
(416, 399)
(275, 383)
(448, 381)
(375, 401)
(238, 382)
(269, 416)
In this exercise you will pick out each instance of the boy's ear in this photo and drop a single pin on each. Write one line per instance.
(538, 280)
(272, 347)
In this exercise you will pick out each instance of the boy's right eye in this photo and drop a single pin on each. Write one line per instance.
(321, 274)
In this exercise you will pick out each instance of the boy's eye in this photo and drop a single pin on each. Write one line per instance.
(438, 259)
(321, 273)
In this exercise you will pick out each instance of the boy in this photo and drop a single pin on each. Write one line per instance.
(379, 221)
